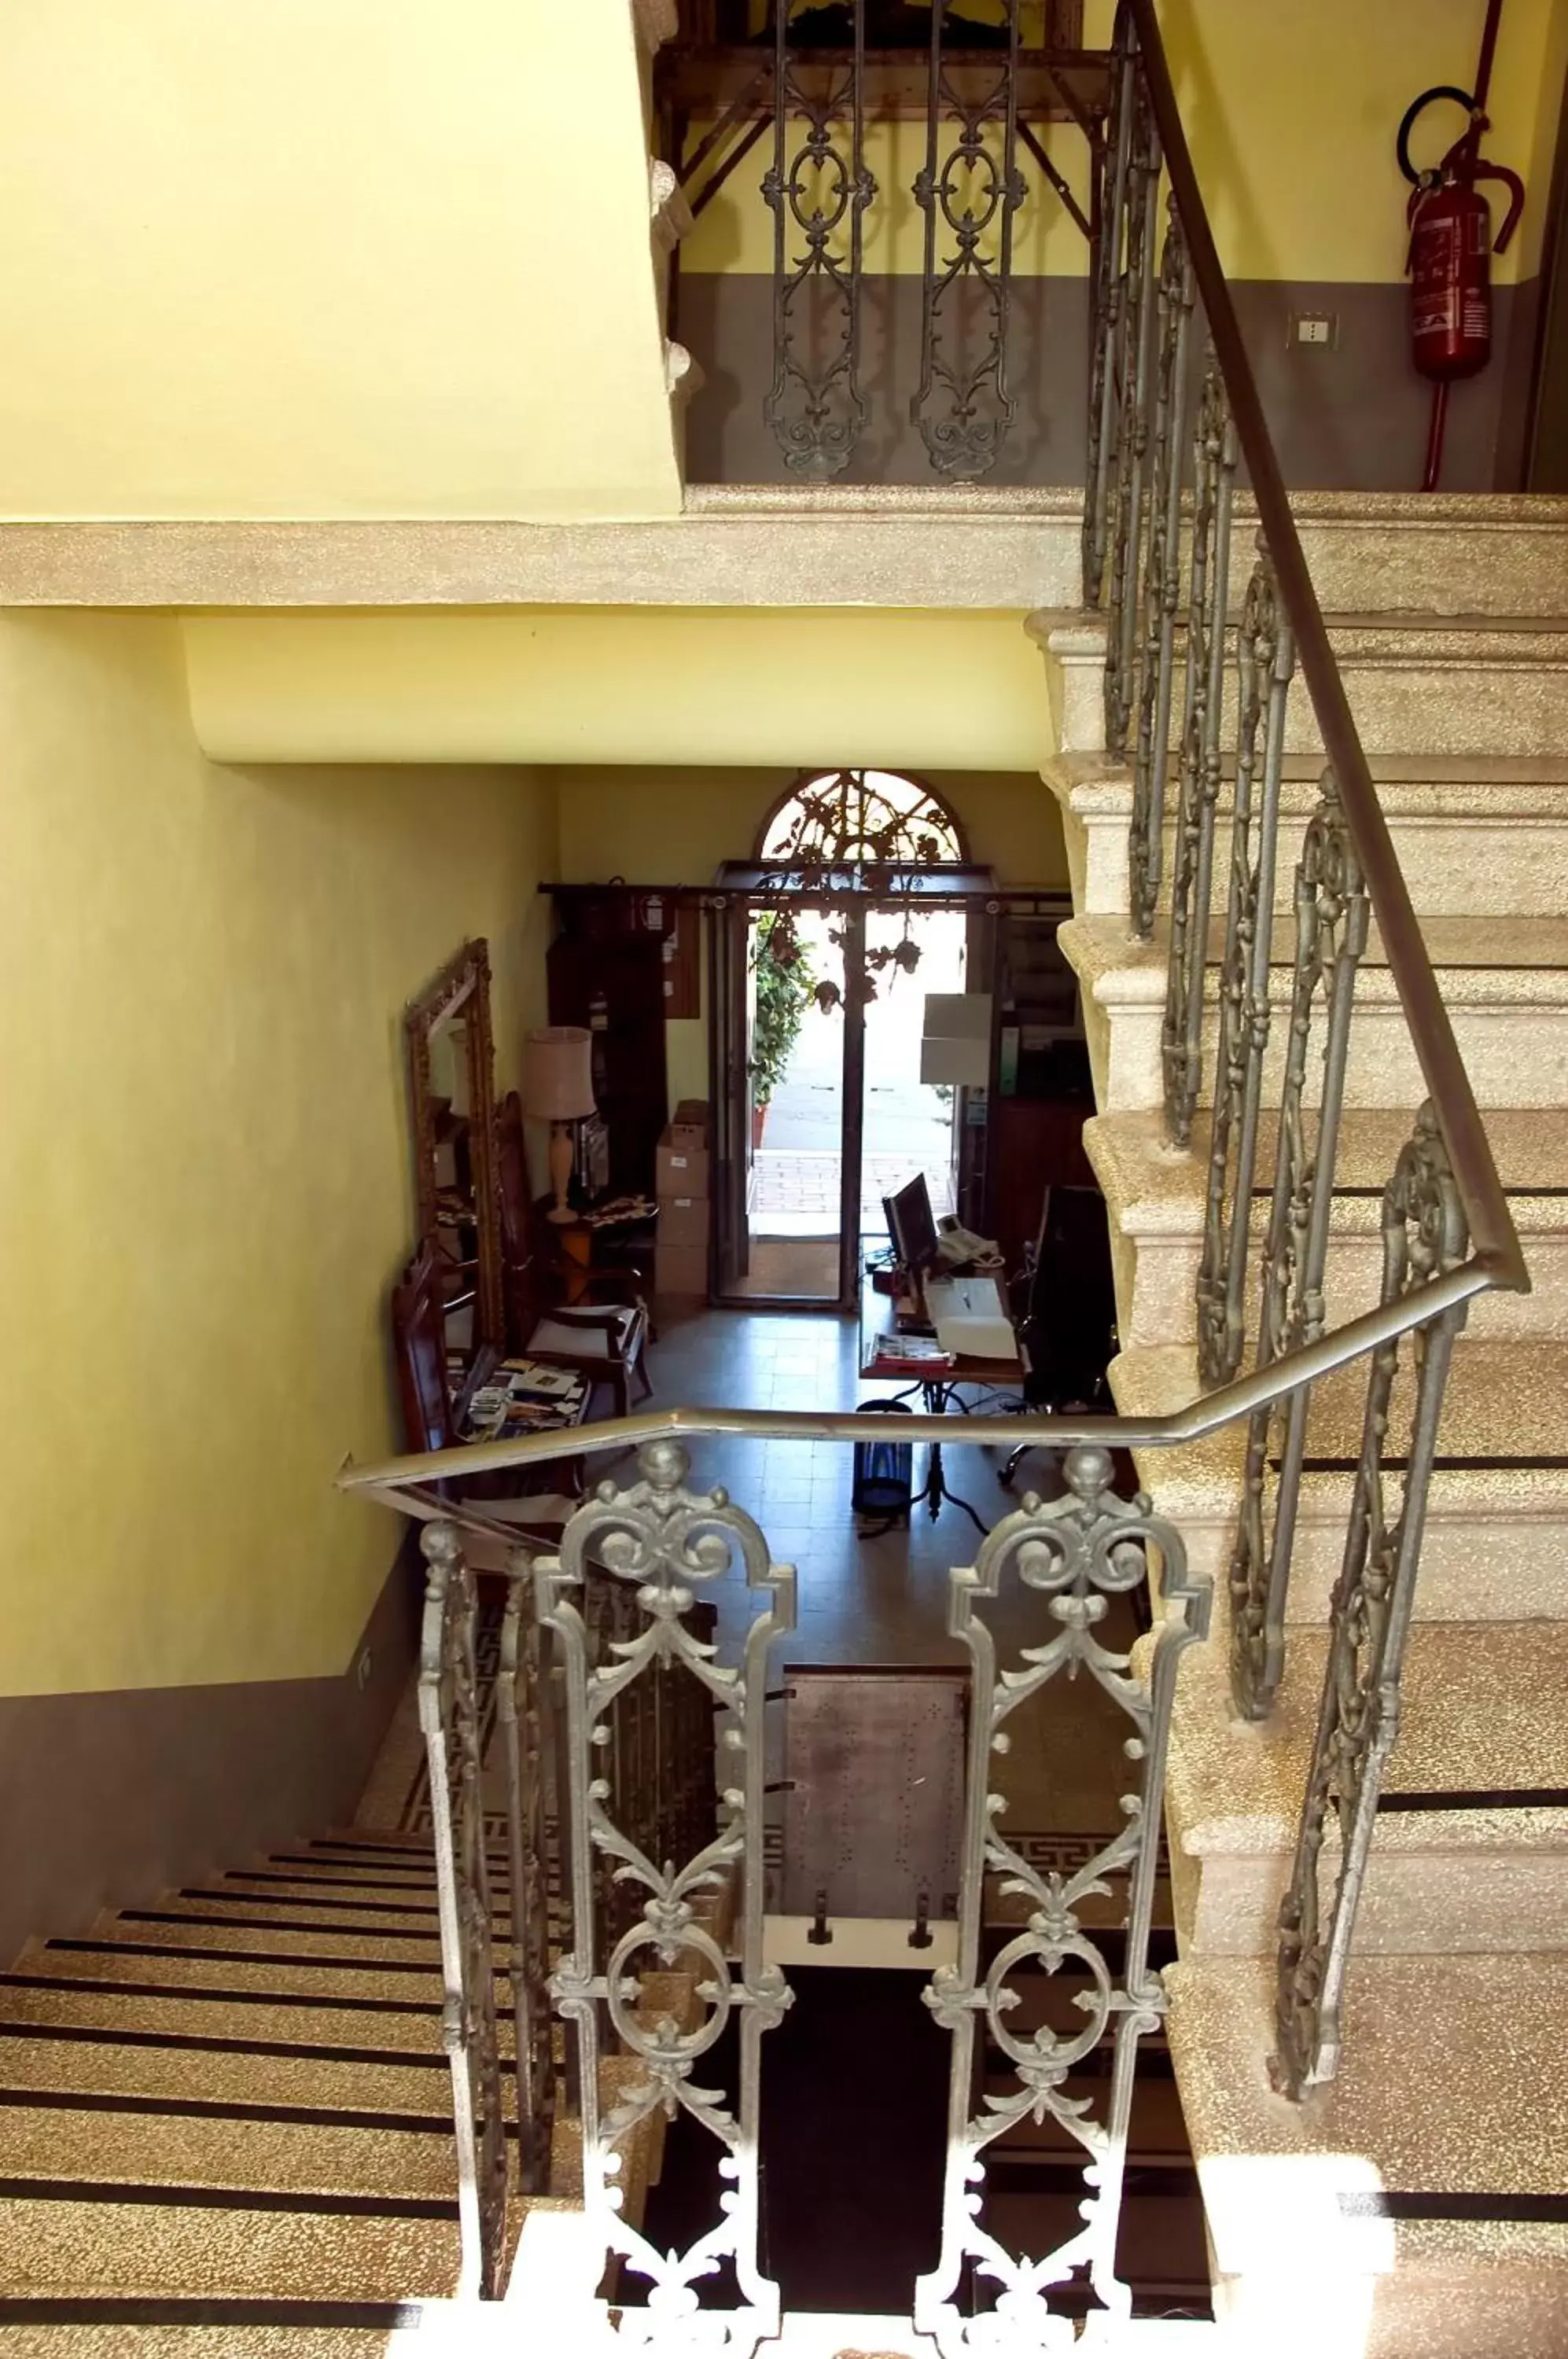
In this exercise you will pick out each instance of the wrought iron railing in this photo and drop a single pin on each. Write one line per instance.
(621, 1606)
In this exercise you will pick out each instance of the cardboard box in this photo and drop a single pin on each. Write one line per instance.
(680, 1269)
(689, 1124)
(679, 1171)
(682, 1221)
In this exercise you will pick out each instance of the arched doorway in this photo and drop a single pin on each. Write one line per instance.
(855, 904)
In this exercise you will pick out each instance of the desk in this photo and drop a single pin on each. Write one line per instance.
(601, 1242)
(937, 1390)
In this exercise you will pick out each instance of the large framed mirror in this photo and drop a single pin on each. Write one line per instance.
(451, 1104)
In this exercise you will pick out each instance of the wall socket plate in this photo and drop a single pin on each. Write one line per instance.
(362, 1668)
(1320, 330)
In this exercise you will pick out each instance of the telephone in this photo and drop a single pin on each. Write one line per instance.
(958, 1247)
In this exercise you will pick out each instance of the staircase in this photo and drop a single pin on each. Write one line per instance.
(1415, 2203)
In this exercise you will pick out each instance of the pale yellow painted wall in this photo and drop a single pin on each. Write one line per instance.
(1291, 112)
(205, 1176)
(906, 687)
(675, 826)
(275, 258)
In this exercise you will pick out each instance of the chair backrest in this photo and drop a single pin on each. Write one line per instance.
(1071, 1311)
(418, 1344)
(520, 1288)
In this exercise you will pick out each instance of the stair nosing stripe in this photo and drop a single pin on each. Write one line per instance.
(180, 2196)
(208, 2109)
(1477, 1797)
(279, 1925)
(80, 1947)
(206, 2044)
(1478, 2205)
(174, 2309)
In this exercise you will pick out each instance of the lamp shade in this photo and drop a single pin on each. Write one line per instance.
(558, 1073)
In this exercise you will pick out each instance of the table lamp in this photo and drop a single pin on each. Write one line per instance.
(558, 1088)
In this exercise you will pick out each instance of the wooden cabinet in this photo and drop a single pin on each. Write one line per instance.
(612, 982)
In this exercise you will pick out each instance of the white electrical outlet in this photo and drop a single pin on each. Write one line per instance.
(1319, 327)
(362, 1668)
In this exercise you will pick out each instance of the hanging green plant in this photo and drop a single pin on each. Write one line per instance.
(786, 987)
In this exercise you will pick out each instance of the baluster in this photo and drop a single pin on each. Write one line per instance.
(963, 408)
(1135, 367)
(1161, 581)
(814, 404)
(1331, 920)
(1191, 868)
(449, 1717)
(1103, 420)
(1069, 1561)
(523, 1700)
(1369, 1618)
(660, 1544)
(1266, 657)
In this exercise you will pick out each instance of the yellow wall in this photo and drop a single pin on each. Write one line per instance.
(1291, 113)
(675, 826)
(205, 1176)
(763, 686)
(272, 258)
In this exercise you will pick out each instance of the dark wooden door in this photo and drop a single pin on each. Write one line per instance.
(613, 983)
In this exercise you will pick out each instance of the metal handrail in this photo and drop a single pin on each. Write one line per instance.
(1206, 1415)
(1492, 1231)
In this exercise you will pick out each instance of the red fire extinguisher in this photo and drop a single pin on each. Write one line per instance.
(1449, 261)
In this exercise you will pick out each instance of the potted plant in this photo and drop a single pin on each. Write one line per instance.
(786, 986)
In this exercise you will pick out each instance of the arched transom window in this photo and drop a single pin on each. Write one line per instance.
(836, 819)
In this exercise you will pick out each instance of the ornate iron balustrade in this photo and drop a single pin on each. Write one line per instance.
(1158, 505)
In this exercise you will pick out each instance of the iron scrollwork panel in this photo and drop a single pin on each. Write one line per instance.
(968, 195)
(524, 1713)
(1074, 1557)
(449, 1720)
(1333, 915)
(1369, 1616)
(660, 1543)
(1191, 868)
(1265, 659)
(818, 188)
(1161, 580)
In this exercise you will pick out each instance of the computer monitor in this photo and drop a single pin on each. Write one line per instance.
(913, 1225)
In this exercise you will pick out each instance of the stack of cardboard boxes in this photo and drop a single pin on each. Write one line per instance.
(681, 1257)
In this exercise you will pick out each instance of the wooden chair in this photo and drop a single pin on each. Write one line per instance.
(431, 1421)
(605, 1342)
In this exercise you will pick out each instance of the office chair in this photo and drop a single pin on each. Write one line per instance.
(1065, 1304)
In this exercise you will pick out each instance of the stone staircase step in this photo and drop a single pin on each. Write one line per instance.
(301, 1903)
(394, 1945)
(1419, 552)
(1506, 989)
(218, 2017)
(1472, 1837)
(1418, 684)
(416, 2088)
(167, 2329)
(1156, 1194)
(169, 1966)
(1496, 1545)
(154, 2144)
(1476, 835)
(121, 2243)
(1414, 2204)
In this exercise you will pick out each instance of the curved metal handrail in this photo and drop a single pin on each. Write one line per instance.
(1493, 1236)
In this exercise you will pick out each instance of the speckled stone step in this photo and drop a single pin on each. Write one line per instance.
(1476, 834)
(65, 2243)
(1495, 1541)
(1506, 989)
(164, 1925)
(416, 2088)
(216, 2015)
(1414, 2206)
(171, 1966)
(1156, 1196)
(172, 2148)
(154, 2329)
(1472, 1839)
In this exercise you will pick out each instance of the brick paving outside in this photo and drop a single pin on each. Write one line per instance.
(794, 1184)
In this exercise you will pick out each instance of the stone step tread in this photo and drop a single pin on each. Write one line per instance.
(111, 2067)
(119, 2249)
(56, 2333)
(1155, 1185)
(1481, 1717)
(1451, 2085)
(106, 2145)
(1505, 1415)
(382, 1946)
(1103, 783)
(1477, 958)
(166, 1966)
(218, 2015)
(297, 1905)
